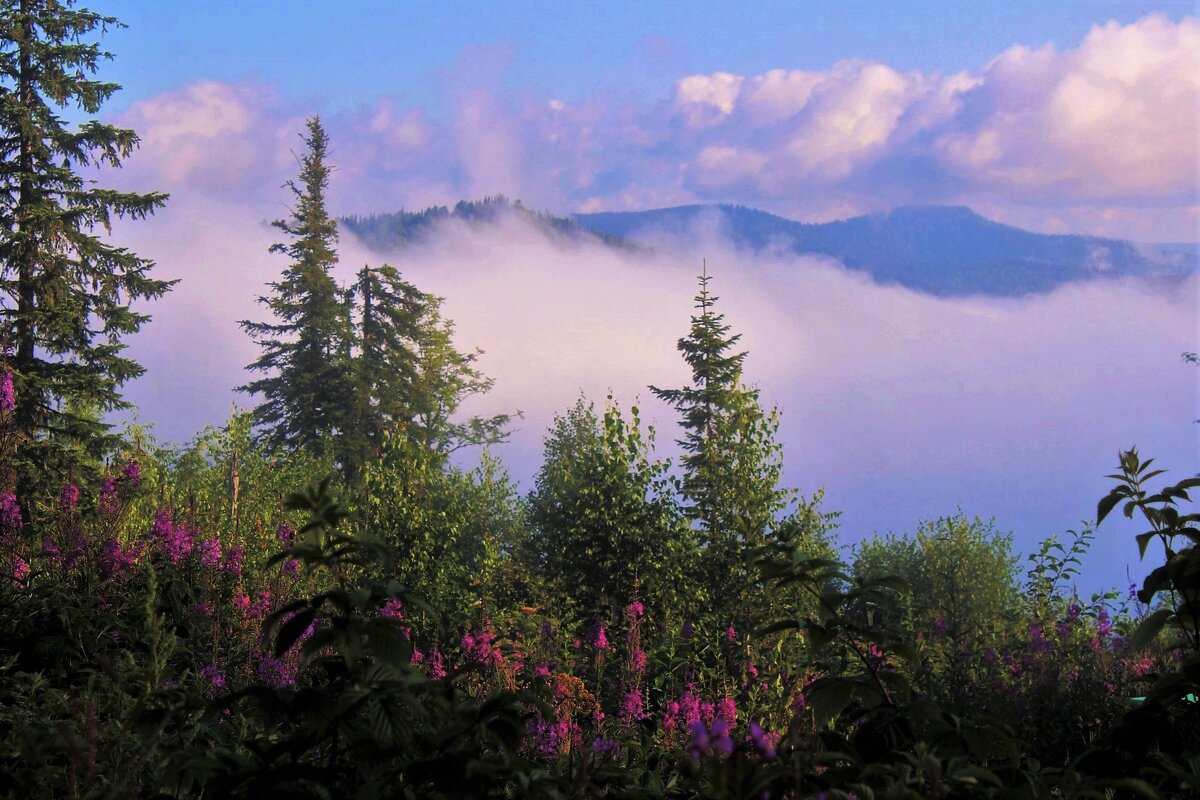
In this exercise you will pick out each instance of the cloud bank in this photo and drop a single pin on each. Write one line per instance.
(1100, 138)
(902, 406)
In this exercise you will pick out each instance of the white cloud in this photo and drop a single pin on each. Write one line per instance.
(1115, 118)
(1100, 138)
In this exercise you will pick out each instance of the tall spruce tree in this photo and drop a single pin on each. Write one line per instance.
(732, 463)
(307, 387)
(65, 294)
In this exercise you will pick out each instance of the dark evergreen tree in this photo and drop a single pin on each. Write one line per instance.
(732, 463)
(65, 294)
(306, 351)
(385, 367)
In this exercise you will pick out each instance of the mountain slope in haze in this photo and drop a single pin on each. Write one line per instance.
(942, 250)
(383, 232)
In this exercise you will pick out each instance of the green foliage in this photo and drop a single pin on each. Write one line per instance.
(605, 526)
(448, 527)
(961, 574)
(65, 294)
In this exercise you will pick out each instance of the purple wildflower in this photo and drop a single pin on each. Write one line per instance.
(688, 629)
(69, 499)
(233, 560)
(210, 553)
(286, 534)
(727, 710)
(8, 398)
(600, 637)
(131, 473)
(730, 634)
(764, 742)
(437, 669)
(275, 673)
(20, 570)
(108, 496)
(10, 511)
(603, 747)
(635, 610)
(632, 707)
(214, 676)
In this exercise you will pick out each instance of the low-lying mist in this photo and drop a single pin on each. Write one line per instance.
(900, 405)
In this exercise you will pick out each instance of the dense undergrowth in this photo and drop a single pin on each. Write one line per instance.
(176, 632)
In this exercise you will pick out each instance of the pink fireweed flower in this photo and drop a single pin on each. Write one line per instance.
(600, 637)
(50, 552)
(730, 634)
(261, 606)
(393, 609)
(635, 610)
(542, 670)
(214, 677)
(69, 498)
(632, 707)
(115, 560)
(175, 541)
(109, 503)
(8, 397)
(210, 553)
(131, 473)
(286, 534)
(637, 661)
(241, 600)
(10, 512)
(276, 673)
(727, 710)
(437, 669)
(688, 629)
(1104, 626)
(204, 610)
(233, 560)
(479, 648)
(715, 739)
(20, 570)
(289, 568)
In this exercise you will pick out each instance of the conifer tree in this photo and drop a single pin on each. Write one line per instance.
(65, 294)
(732, 463)
(306, 351)
(385, 367)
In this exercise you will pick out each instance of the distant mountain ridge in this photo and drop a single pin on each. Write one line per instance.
(383, 232)
(941, 250)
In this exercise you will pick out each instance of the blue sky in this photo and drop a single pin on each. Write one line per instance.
(342, 53)
(1057, 117)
